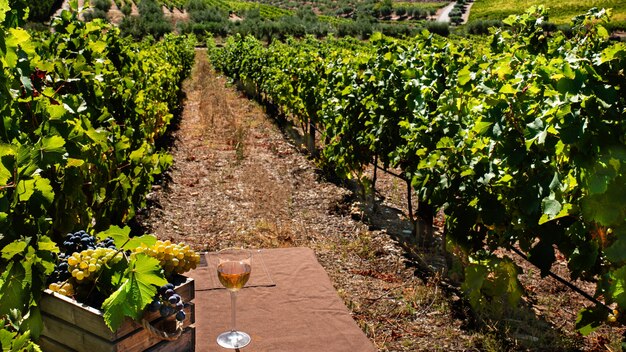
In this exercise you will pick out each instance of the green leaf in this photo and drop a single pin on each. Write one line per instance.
(376, 36)
(52, 145)
(555, 184)
(6, 165)
(598, 183)
(566, 210)
(45, 243)
(14, 248)
(44, 188)
(144, 275)
(6, 338)
(608, 208)
(71, 162)
(122, 239)
(25, 189)
(589, 319)
(56, 111)
(482, 127)
(33, 324)
(617, 51)
(464, 75)
(135, 242)
(617, 251)
(475, 275)
(4, 8)
(550, 207)
(119, 235)
(508, 89)
(618, 286)
(116, 308)
(18, 36)
(12, 290)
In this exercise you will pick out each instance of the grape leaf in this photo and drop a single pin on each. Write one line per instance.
(45, 243)
(25, 189)
(617, 251)
(121, 237)
(144, 275)
(43, 187)
(590, 319)
(618, 286)
(4, 8)
(33, 323)
(475, 275)
(49, 151)
(13, 248)
(116, 308)
(566, 210)
(5, 339)
(12, 288)
(550, 206)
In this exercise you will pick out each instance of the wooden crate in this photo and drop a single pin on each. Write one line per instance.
(70, 326)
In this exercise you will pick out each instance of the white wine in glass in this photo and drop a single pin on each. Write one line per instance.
(233, 275)
(233, 270)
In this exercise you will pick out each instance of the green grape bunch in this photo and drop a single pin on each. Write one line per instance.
(174, 258)
(88, 263)
(64, 288)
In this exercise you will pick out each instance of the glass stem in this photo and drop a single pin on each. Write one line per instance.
(233, 304)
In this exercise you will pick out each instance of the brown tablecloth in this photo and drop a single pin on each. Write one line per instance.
(293, 307)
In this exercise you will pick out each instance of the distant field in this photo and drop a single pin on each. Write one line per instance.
(560, 11)
(344, 7)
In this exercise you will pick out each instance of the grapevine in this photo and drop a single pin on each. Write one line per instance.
(81, 109)
(518, 140)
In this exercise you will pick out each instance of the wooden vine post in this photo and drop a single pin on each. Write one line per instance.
(311, 136)
(425, 216)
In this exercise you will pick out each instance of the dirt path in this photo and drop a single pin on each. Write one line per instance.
(237, 181)
(444, 14)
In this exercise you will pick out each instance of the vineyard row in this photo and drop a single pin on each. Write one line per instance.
(519, 138)
(82, 113)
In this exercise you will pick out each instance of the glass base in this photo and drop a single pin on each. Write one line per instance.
(233, 339)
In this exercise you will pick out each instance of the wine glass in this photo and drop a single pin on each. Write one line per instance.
(233, 271)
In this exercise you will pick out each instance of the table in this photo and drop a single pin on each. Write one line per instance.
(289, 305)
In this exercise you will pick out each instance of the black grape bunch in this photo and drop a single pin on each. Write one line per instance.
(74, 244)
(106, 243)
(79, 241)
(168, 302)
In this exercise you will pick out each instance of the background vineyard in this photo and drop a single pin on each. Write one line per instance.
(269, 20)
